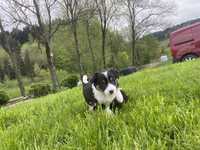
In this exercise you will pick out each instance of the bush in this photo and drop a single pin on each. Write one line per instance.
(38, 90)
(70, 81)
(3, 98)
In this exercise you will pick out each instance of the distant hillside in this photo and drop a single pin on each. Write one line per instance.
(163, 35)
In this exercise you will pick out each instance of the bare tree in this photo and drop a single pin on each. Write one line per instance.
(106, 10)
(38, 15)
(12, 48)
(89, 15)
(73, 9)
(144, 16)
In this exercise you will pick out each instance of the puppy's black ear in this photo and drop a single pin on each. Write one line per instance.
(94, 78)
(115, 72)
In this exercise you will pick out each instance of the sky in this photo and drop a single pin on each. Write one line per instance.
(186, 10)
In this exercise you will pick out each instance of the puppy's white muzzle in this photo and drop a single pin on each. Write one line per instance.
(110, 90)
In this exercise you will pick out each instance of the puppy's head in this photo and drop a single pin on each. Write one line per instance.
(106, 82)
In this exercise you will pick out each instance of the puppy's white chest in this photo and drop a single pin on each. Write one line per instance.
(102, 98)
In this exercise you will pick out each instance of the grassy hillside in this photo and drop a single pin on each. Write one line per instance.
(162, 113)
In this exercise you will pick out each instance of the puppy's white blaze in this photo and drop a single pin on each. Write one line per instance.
(105, 74)
(119, 96)
(85, 79)
(109, 88)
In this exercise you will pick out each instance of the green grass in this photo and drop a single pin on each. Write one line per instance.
(162, 113)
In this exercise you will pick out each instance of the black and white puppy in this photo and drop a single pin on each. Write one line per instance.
(103, 89)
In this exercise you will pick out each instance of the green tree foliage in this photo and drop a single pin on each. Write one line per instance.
(118, 55)
(149, 49)
(38, 90)
(3, 98)
(118, 50)
(70, 82)
(37, 54)
(65, 57)
(124, 59)
(21, 36)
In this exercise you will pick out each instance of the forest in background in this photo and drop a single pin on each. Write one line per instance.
(77, 37)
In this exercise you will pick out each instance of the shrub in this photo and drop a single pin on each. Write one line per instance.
(3, 98)
(38, 90)
(70, 82)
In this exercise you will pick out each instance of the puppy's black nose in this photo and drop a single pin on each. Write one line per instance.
(111, 92)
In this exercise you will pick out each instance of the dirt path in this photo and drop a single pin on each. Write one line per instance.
(17, 100)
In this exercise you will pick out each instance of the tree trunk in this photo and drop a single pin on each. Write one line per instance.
(103, 48)
(15, 63)
(113, 55)
(51, 67)
(134, 51)
(90, 47)
(74, 28)
(20, 62)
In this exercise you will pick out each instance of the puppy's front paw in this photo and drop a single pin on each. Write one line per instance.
(91, 108)
(119, 96)
(108, 111)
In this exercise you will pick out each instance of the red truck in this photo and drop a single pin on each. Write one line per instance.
(185, 43)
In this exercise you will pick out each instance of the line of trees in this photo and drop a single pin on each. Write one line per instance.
(7, 70)
(144, 16)
(43, 18)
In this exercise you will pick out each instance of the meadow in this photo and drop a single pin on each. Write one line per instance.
(162, 113)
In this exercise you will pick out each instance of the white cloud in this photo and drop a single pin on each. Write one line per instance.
(186, 10)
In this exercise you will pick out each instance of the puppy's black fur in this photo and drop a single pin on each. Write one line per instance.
(89, 95)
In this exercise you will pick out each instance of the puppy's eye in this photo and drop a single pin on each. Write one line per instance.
(103, 81)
